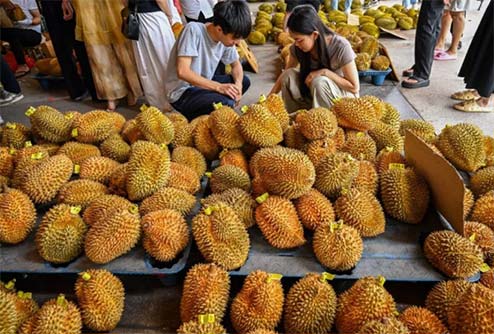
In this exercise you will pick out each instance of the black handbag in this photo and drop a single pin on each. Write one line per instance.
(130, 22)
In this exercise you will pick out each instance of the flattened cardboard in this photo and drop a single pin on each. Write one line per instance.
(446, 185)
(249, 55)
(394, 33)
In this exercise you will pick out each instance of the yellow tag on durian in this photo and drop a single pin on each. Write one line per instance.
(28, 295)
(336, 100)
(69, 115)
(261, 199)
(28, 144)
(11, 125)
(31, 110)
(10, 285)
(360, 134)
(381, 280)
(217, 106)
(389, 148)
(262, 98)
(325, 276)
(134, 209)
(274, 277)
(74, 132)
(393, 166)
(484, 268)
(85, 276)
(334, 226)
(244, 109)
(77, 169)
(20, 294)
(37, 156)
(61, 300)
(472, 237)
(209, 210)
(75, 209)
(206, 318)
(144, 107)
(208, 174)
(12, 151)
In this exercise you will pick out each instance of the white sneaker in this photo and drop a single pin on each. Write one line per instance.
(1, 120)
(7, 98)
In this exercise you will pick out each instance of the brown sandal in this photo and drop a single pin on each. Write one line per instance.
(465, 95)
(473, 106)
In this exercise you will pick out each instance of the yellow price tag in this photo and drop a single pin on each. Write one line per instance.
(74, 132)
(134, 209)
(30, 111)
(360, 134)
(69, 115)
(484, 268)
(325, 276)
(143, 107)
(77, 169)
(75, 210)
(61, 300)
(381, 280)
(274, 277)
(11, 125)
(262, 98)
(209, 210)
(472, 237)
(10, 285)
(37, 156)
(28, 144)
(208, 174)
(396, 166)
(28, 295)
(12, 150)
(85, 276)
(206, 318)
(244, 109)
(261, 199)
(217, 106)
(334, 226)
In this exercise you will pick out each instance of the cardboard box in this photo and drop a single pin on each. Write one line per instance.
(445, 183)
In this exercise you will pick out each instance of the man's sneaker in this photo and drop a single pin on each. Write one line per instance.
(1, 120)
(7, 98)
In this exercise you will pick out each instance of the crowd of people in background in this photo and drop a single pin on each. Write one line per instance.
(188, 74)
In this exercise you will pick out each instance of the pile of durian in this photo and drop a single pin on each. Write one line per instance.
(270, 20)
(311, 306)
(88, 172)
(100, 304)
(109, 183)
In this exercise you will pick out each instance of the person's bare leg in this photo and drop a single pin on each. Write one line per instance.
(458, 27)
(112, 105)
(446, 21)
(485, 101)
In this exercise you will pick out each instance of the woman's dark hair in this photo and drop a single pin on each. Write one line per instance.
(290, 4)
(304, 20)
(233, 16)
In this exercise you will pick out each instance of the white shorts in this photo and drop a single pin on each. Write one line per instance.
(458, 6)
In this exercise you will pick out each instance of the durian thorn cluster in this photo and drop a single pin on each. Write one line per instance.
(144, 107)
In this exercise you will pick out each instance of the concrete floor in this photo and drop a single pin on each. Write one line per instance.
(152, 307)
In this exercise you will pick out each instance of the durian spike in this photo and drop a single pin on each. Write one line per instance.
(144, 107)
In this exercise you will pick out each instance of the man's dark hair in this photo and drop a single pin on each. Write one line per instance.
(233, 16)
(290, 4)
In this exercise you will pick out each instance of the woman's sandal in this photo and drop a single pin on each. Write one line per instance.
(473, 106)
(465, 95)
(417, 84)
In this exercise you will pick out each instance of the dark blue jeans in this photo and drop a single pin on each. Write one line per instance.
(198, 101)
